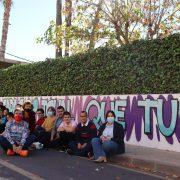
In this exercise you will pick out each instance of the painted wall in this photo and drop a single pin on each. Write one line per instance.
(149, 120)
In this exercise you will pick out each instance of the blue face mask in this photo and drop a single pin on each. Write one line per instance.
(110, 119)
(50, 113)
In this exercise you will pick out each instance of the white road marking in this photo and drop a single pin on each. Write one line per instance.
(20, 170)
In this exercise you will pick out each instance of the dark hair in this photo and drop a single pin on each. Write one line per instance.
(112, 112)
(6, 109)
(17, 110)
(84, 112)
(61, 107)
(10, 114)
(28, 103)
(66, 113)
(41, 110)
(2, 108)
(52, 109)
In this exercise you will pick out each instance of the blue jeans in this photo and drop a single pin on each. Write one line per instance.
(107, 148)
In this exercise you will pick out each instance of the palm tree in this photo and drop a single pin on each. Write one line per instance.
(58, 23)
(7, 8)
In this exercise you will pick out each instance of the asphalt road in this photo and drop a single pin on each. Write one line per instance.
(52, 165)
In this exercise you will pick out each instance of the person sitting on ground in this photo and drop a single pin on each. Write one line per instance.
(2, 107)
(19, 106)
(110, 140)
(54, 134)
(3, 119)
(47, 127)
(66, 132)
(29, 115)
(16, 139)
(10, 116)
(85, 131)
(39, 117)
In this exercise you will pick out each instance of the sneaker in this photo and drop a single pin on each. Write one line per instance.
(90, 156)
(69, 151)
(23, 153)
(10, 152)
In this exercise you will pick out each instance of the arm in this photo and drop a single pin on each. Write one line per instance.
(78, 134)
(101, 129)
(44, 124)
(6, 133)
(93, 131)
(25, 134)
(118, 133)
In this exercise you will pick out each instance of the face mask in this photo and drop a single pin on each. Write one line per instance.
(27, 110)
(110, 119)
(50, 113)
(18, 118)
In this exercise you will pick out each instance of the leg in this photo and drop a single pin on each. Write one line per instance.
(87, 149)
(31, 139)
(110, 148)
(55, 143)
(73, 146)
(5, 144)
(45, 138)
(97, 148)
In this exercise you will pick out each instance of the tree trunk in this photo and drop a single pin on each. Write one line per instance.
(68, 25)
(58, 23)
(95, 26)
(5, 27)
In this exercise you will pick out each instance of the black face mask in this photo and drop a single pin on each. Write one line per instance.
(28, 110)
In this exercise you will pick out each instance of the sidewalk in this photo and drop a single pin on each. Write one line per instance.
(150, 159)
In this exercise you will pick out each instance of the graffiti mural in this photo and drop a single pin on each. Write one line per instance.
(148, 120)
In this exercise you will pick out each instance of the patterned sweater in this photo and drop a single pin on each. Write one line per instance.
(16, 133)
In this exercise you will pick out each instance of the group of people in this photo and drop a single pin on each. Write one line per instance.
(25, 130)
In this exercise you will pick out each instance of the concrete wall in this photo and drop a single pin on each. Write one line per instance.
(5, 63)
(149, 120)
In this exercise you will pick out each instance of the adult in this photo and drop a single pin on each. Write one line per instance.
(15, 139)
(110, 140)
(85, 132)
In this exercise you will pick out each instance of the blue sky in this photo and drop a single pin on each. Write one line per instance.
(29, 19)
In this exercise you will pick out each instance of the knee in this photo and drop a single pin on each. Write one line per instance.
(107, 147)
(95, 140)
(2, 138)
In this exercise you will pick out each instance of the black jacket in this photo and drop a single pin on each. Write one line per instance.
(118, 135)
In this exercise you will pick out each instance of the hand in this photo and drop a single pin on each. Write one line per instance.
(108, 137)
(18, 149)
(84, 145)
(103, 138)
(61, 129)
(14, 147)
(79, 146)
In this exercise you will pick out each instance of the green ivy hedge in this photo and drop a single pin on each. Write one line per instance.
(139, 68)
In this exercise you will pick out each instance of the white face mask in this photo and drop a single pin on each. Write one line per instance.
(50, 113)
(110, 119)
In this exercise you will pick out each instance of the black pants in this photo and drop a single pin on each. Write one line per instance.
(80, 152)
(62, 141)
(2, 127)
(5, 144)
(45, 138)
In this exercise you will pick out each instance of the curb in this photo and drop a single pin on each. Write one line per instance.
(147, 165)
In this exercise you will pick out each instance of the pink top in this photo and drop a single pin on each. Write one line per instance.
(72, 123)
